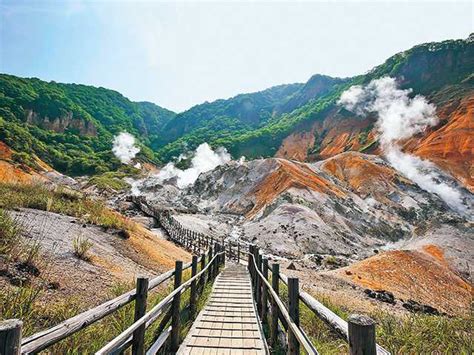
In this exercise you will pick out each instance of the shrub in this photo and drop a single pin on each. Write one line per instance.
(110, 181)
(9, 233)
(81, 247)
(399, 334)
(61, 200)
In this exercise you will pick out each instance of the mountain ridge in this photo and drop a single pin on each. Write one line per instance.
(71, 126)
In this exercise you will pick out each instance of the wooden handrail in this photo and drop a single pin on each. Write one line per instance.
(309, 348)
(339, 325)
(122, 337)
(328, 316)
(42, 340)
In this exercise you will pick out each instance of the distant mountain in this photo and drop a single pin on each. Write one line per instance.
(443, 72)
(427, 69)
(71, 126)
(212, 121)
(226, 122)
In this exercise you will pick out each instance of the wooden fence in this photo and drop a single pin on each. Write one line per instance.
(358, 331)
(210, 254)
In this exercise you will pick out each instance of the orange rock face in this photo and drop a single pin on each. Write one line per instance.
(5, 151)
(296, 146)
(450, 145)
(287, 175)
(360, 174)
(12, 173)
(411, 274)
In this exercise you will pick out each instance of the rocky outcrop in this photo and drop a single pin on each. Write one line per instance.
(450, 145)
(60, 124)
(412, 275)
(347, 206)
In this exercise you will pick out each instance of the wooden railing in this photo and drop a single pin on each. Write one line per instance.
(51, 336)
(173, 300)
(10, 330)
(196, 242)
(265, 294)
(359, 331)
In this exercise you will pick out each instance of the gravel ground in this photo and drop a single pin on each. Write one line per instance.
(112, 259)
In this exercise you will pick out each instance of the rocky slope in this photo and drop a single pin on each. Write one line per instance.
(334, 213)
(450, 144)
(71, 126)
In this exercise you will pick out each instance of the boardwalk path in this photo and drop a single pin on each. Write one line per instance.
(228, 324)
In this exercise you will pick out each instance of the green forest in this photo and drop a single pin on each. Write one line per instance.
(71, 127)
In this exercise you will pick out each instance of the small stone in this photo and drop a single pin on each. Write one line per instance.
(53, 285)
(123, 233)
(348, 272)
(292, 266)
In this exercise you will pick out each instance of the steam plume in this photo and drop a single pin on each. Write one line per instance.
(205, 159)
(124, 147)
(400, 117)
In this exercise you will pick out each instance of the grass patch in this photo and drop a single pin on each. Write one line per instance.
(60, 200)
(25, 303)
(9, 233)
(81, 247)
(419, 333)
(110, 181)
(399, 334)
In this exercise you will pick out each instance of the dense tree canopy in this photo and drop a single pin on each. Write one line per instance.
(72, 126)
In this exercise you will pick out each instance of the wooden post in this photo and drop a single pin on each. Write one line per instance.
(202, 281)
(138, 341)
(264, 291)
(238, 252)
(256, 253)
(209, 271)
(10, 337)
(249, 261)
(216, 261)
(223, 256)
(190, 242)
(274, 309)
(175, 317)
(259, 285)
(361, 335)
(219, 257)
(294, 311)
(193, 295)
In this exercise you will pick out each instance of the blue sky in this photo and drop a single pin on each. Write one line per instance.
(184, 53)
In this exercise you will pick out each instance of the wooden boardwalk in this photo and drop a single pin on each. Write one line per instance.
(228, 323)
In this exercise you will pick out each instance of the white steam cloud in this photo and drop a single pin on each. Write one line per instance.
(400, 117)
(124, 147)
(205, 159)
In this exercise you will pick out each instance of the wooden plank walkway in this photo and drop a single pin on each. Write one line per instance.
(228, 323)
